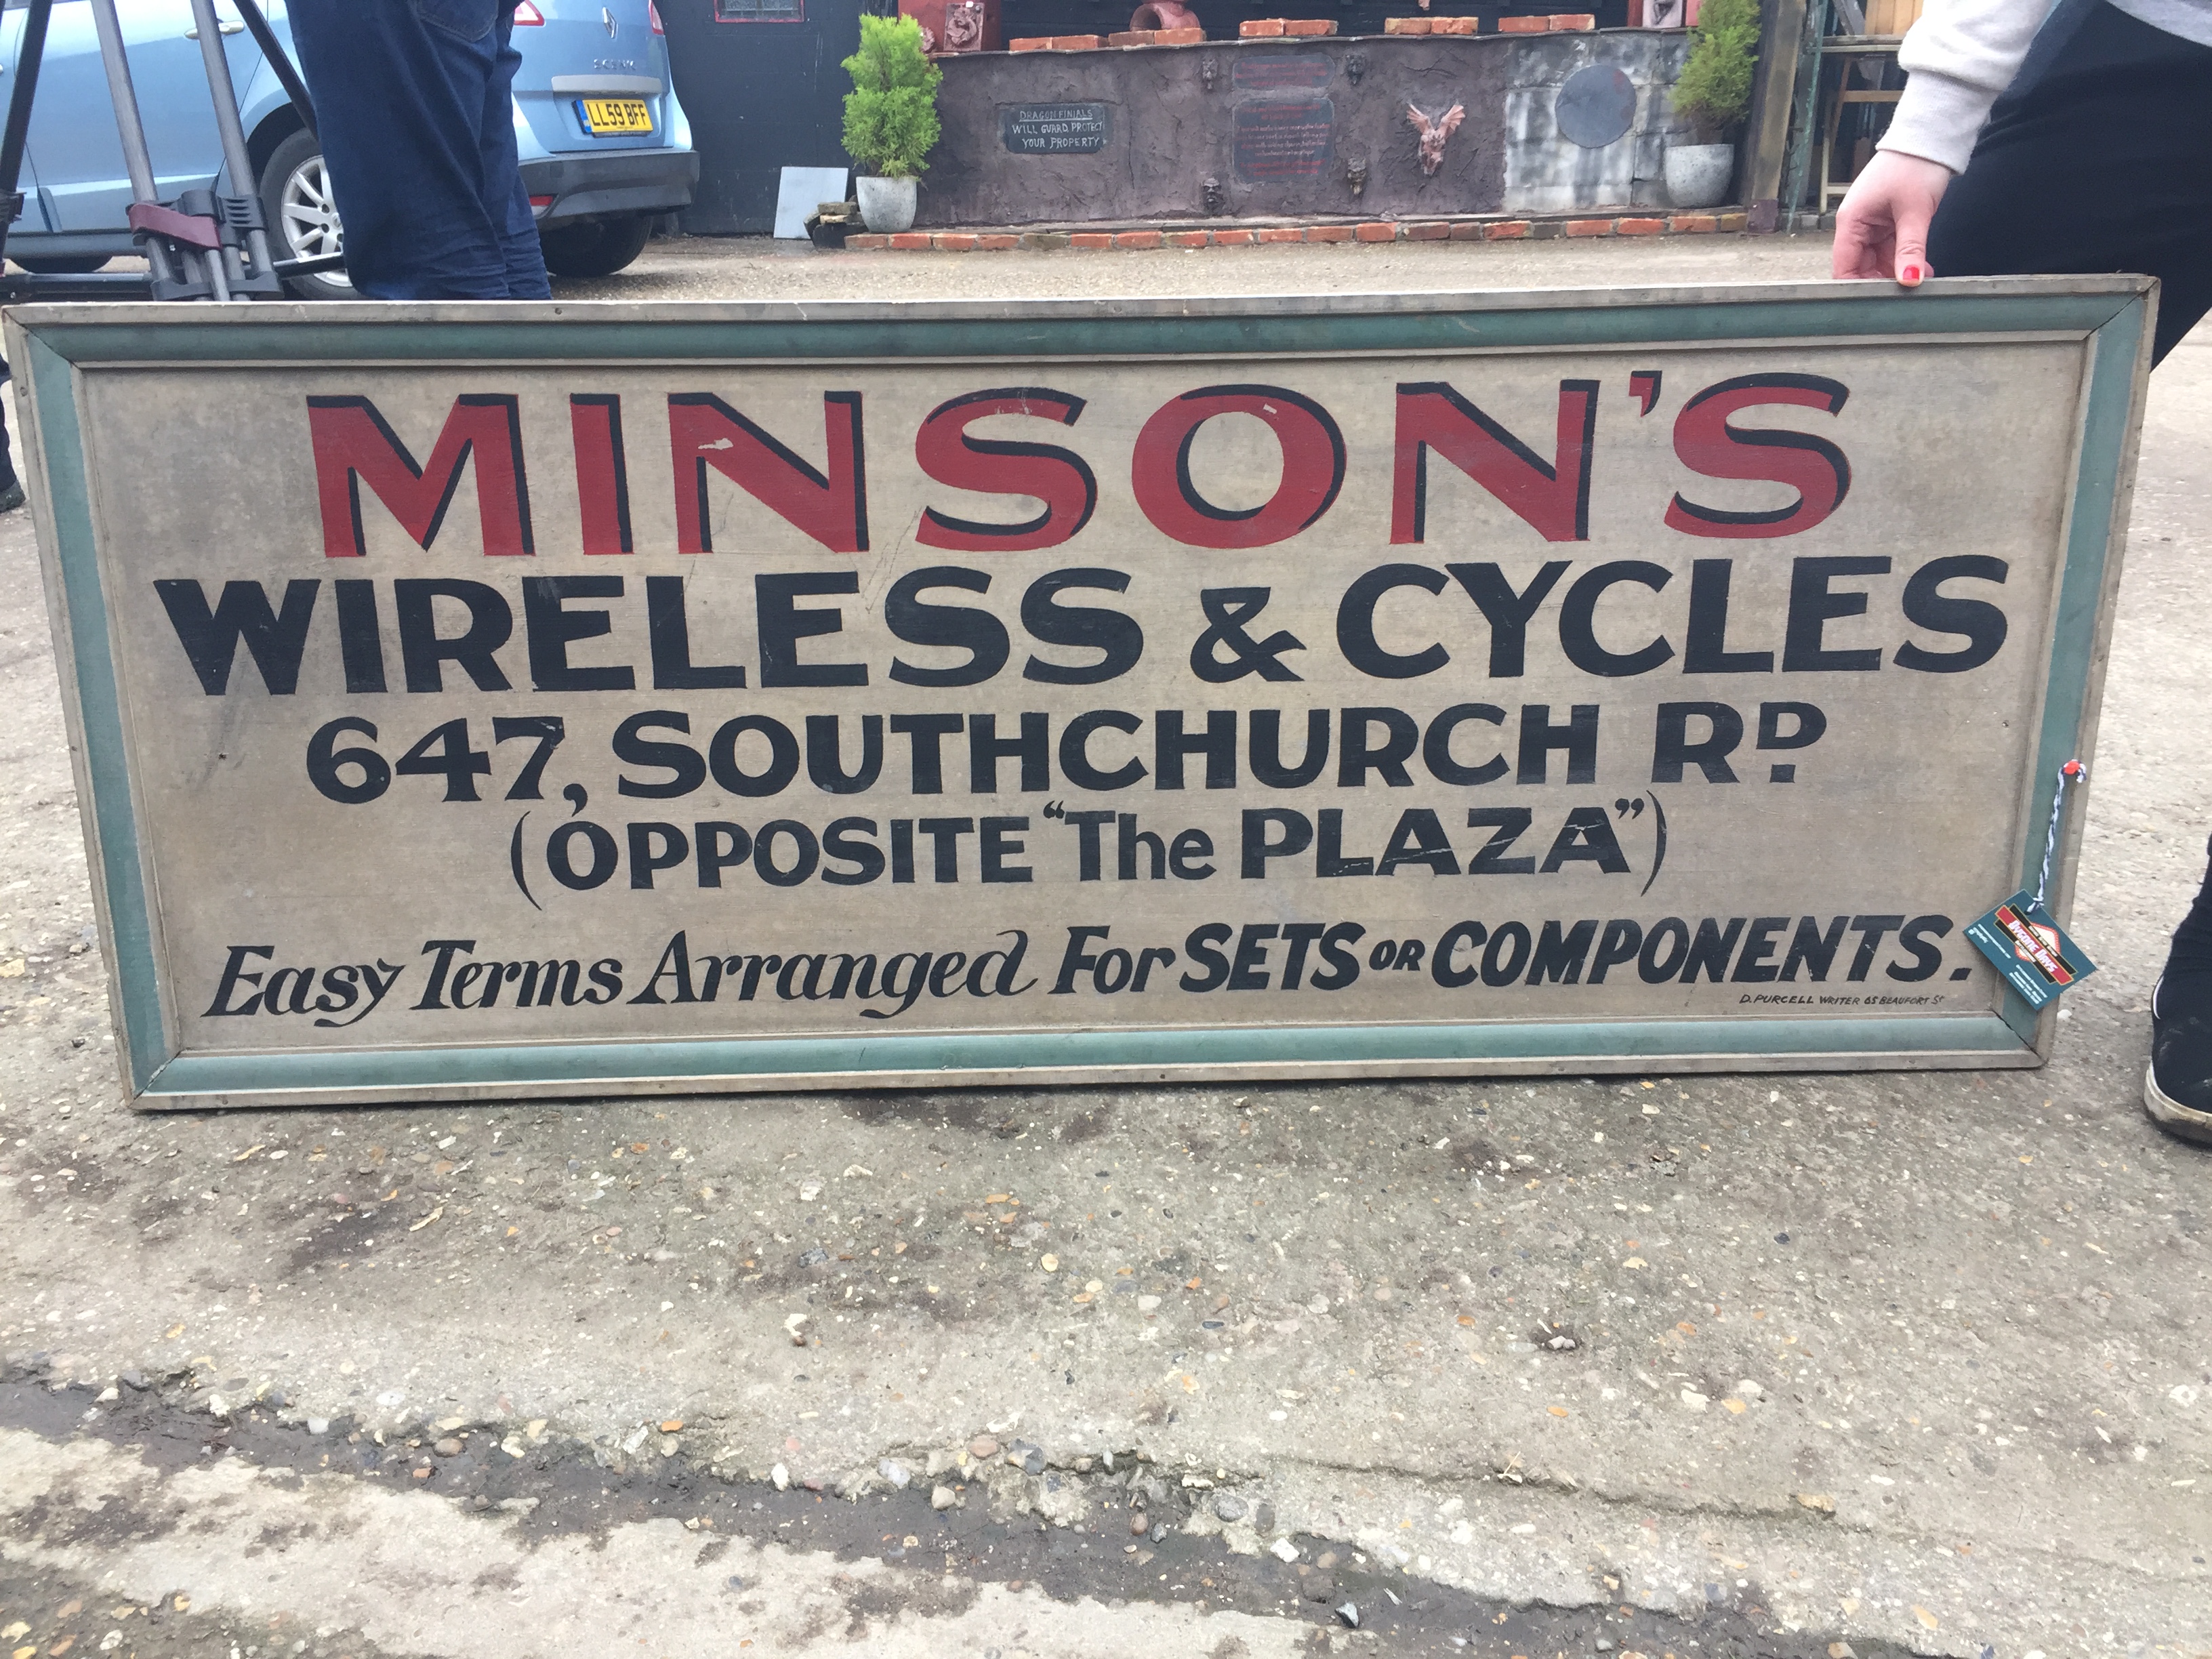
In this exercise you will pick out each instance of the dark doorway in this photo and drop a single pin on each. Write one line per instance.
(764, 83)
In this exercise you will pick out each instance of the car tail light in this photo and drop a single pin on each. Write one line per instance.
(527, 16)
(653, 16)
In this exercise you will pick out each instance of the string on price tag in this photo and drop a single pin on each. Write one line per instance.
(2020, 936)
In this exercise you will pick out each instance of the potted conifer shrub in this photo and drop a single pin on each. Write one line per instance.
(890, 119)
(1712, 98)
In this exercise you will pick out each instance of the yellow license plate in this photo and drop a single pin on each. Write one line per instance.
(616, 114)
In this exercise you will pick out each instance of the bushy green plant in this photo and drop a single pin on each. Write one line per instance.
(890, 114)
(1714, 93)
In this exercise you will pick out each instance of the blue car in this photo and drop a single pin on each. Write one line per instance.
(605, 147)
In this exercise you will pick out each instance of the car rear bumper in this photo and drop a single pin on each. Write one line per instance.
(565, 187)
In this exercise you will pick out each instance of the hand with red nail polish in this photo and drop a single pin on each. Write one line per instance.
(1881, 229)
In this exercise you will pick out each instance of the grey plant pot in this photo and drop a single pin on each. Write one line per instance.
(1697, 175)
(887, 205)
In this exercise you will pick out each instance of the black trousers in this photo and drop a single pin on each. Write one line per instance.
(7, 479)
(2098, 158)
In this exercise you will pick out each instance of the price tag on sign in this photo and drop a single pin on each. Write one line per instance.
(2030, 950)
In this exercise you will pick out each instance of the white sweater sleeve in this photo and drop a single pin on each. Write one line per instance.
(1959, 57)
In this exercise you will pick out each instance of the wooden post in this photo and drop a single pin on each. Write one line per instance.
(1767, 134)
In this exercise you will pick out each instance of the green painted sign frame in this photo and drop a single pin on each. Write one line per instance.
(52, 348)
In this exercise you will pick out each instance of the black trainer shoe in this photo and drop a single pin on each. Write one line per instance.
(2177, 1084)
(11, 498)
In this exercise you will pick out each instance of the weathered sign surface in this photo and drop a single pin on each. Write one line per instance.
(572, 699)
(1283, 137)
(1306, 72)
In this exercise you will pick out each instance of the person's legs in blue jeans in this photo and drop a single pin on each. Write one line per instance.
(413, 103)
(526, 260)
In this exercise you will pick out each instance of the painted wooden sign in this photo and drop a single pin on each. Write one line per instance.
(579, 699)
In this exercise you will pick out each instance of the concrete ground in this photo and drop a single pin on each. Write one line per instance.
(1811, 1365)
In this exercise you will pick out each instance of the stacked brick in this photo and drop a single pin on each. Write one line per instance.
(1269, 28)
(1556, 23)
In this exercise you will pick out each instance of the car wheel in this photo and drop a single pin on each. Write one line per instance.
(61, 264)
(303, 218)
(595, 247)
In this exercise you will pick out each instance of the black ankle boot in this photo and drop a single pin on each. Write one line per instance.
(2177, 1084)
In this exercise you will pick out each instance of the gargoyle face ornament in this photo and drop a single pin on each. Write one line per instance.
(1434, 130)
(963, 25)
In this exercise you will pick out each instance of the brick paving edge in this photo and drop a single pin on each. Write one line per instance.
(1643, 223)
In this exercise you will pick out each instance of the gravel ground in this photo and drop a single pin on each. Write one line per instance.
(760, 268)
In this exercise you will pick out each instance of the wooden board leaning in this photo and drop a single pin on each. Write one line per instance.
(583, 699)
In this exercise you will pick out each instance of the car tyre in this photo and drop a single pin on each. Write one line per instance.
(302, 217)
(595, 247)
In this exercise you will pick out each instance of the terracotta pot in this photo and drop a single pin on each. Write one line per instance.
(1162, 14)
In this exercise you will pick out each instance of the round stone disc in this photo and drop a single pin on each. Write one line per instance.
(1595, 105)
